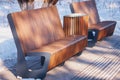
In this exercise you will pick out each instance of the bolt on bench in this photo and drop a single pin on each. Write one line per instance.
(38, 34)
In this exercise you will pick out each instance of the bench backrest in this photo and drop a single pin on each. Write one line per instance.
(87, 7)
(35, 28)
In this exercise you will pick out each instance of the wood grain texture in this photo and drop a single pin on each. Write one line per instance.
(40, 30)
(77, 25)
(36, 28)
(103, 28)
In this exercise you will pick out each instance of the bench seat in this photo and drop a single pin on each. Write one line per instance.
(102, 25)
(104, 28)
(63, 49)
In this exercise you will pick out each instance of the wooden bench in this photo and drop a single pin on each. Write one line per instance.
(38, 34)
(101, 28)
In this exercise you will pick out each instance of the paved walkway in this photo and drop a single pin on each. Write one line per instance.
(101, 62)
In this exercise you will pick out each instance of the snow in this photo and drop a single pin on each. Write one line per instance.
(108, 10)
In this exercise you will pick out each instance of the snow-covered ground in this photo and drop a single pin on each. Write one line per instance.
(108, 10)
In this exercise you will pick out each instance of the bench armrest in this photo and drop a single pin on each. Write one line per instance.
(45, 57)
(36, 73)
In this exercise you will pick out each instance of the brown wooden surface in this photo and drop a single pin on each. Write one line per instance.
(40, 30)
(36, 28)
(104, 29)
(87, 7)
(63, 49)
(77, 25)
